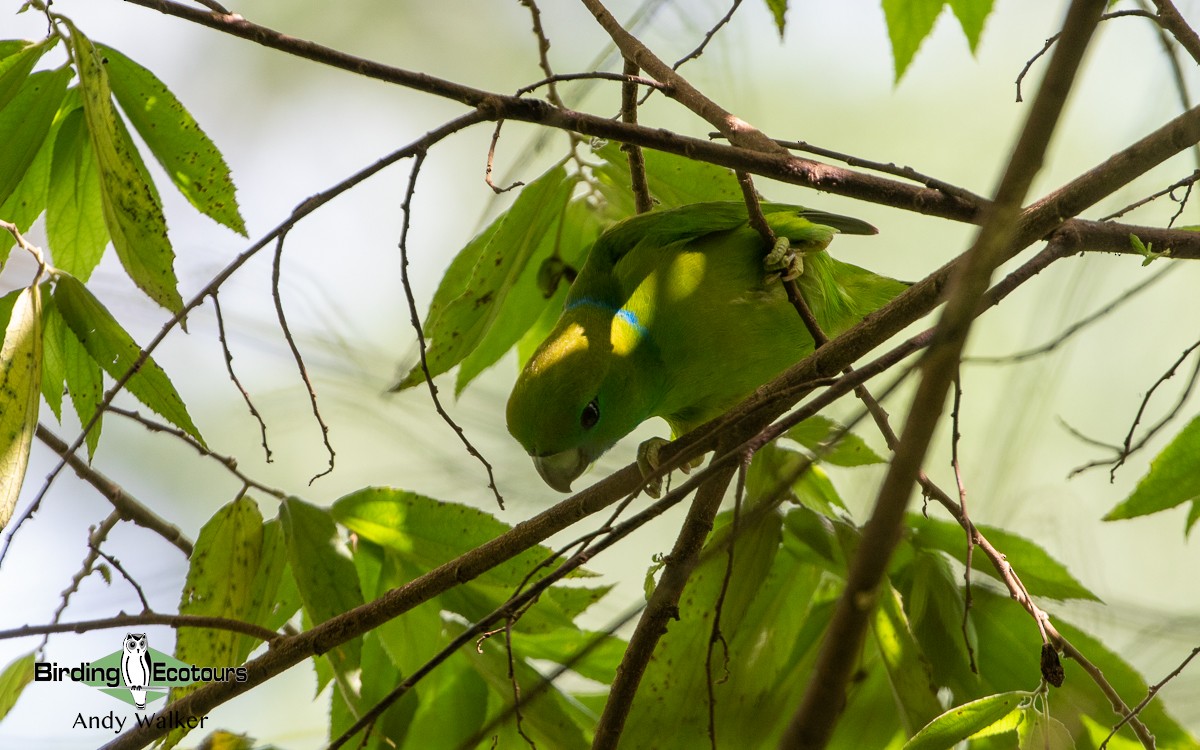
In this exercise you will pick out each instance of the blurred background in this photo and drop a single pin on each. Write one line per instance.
(290, 128)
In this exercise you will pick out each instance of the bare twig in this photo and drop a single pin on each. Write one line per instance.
(262, 426)
(1050, 42)
(127, 507)
(955, 413)
(229, 462)
(276, 265)
(491, 160)
(708, 36)
(1169, 190)
(1173, 21)
(1150, 693)
(597, 75)
(406, 212)
(1077, 326)
(116, 564)
(96, 536)
(637, 163)
(145, 618)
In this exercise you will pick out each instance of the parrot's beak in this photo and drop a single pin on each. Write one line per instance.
(560, 469)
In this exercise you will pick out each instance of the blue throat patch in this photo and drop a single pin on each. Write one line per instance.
(628, 316)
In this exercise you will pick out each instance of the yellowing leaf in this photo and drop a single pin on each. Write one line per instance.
(961, 722)
(20, 387)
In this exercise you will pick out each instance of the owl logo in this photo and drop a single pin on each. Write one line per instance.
(135, 667)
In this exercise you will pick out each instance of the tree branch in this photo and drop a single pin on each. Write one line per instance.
(813, 723)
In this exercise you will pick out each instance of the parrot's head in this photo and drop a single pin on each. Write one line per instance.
(577, 396)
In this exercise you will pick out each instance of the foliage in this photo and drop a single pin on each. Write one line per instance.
(931, 673)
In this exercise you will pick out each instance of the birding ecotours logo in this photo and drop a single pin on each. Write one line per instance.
(135, 673)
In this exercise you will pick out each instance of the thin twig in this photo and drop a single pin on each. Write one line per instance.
(145, 618)
(1150, 693)
(1173, 21)
(116, 564)
(597, 75)
(694, 54)
(229, 462)
(1075, 327)
(276, 267)
(262, 426)
(637, 163)
(491, 161)
(1169, 190)
(1050, 42)
(125, 505)
(715, 635)
(415, 318)
(956, 436)
(96, 536)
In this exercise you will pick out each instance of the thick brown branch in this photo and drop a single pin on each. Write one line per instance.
(813, 723)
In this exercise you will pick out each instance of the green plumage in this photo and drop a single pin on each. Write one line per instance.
(674, 315)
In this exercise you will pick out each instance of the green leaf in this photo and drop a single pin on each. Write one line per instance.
(1098, 732)
(189, 157)
(430, 532)
(548, 717)
(568, 239)
(961, 722)
(17, 59)
(1173, 479)
(935, 606)
(466, 320)
(971, 15)
(323, 571)
(908, 672)
(74, 210)
(850, 450)
(909, 22)
(264, 606)
(13, 680)
(84, 379)
(778, 9)
(604, 651)
(20, 387)
(132, 209)
(1041, 573)
(114, 350)
(53, 362)
(25, 122)
(28, 199)
(220, 578)
(672, 180)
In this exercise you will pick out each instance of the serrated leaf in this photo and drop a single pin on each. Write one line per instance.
(431, 532)
(850, 450)
(53, 363)
(132, 209)
(961, 722)
(17, 64)
(1041, 573)
(85, 382)
(1173, 478)
(25, 122)
(778, 10)
(189, 157)
(264, 606)
(971, 16)
(20, 388)
(909, 22)
(13, 680)
(74, 210)
(115, 351)
(466, 320)
(323, 572)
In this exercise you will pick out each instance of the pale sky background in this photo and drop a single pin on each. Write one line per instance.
(290, 128)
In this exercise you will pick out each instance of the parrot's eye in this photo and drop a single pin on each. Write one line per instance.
(590, 415)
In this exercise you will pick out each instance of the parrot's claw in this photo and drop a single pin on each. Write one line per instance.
(648, 460)
(784, 260)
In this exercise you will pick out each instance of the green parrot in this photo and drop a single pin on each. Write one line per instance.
(675, 315)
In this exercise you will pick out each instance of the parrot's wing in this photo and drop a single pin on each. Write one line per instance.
(841, 294)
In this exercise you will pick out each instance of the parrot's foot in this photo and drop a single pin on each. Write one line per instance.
(649, 460)
(784, 260)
